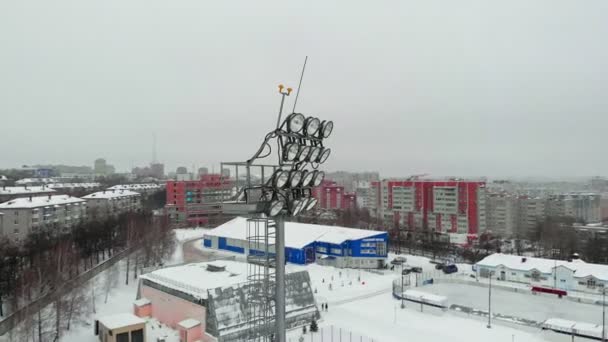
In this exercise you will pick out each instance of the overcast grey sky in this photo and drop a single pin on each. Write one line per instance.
(468, 88)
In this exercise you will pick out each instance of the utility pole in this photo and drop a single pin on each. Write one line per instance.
(490, 301)
(603, 313)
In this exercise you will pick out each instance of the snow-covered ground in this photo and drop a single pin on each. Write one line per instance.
(361, 304)
(120, 300)
(524, 305)
(186, 234)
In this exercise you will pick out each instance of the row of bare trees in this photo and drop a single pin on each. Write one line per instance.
(52, 264)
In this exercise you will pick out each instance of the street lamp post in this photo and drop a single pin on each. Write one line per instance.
(490, 300)
(603, 313)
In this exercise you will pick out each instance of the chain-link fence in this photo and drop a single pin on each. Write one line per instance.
(331, 334)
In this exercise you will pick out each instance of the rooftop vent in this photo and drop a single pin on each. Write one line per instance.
(215, 268)
(524, 259)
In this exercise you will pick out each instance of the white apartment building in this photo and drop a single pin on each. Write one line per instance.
(112, 202)
(582, 206)
(10, 192)
(532, 211)
(20, 216)
(362, 189)
(502, 214)
(144, 188)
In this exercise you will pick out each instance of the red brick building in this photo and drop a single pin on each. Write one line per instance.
(197, 202)
(332, 196)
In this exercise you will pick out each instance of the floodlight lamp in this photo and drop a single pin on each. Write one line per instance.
(304, 152)
(291, 152)
(275, 207)
(295, 122)
(307, 178)
(324, 155)
(318, 178)
(311, 126)
(326, 128)
(297, 206)
(314, 154)
(311, 203)
(280, 178)
(295, 177)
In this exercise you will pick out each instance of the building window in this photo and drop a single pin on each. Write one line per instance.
(591, 283)
(535, 275)
(381, 248)
(336, 251)
(321, 249)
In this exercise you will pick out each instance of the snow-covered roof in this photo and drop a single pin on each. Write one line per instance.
(111, 194)
(135, 187)
(24, 190)
(195, 279)
(142, 302)
(40, 201)
(34, 180)
(515, 262)
(297, 235)
(74, 185)
(425, 297)
(570, 327)
(120, 321)
(189, 323)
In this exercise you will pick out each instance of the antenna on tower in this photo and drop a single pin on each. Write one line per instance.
(295, 102)
(154, 148)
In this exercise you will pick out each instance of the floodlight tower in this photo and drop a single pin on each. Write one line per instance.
(287, 192)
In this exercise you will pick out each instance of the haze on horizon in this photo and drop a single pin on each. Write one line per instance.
(467, 88)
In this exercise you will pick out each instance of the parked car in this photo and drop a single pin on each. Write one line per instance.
(398, 260)
(417, 269)
(438, 266)
(448, 269)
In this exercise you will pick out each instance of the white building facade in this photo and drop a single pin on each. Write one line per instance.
(575, 275)
(112, 203)
(21, 216)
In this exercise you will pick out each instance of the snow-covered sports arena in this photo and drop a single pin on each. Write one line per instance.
(308, 243)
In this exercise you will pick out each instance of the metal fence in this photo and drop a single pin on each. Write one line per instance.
(331, 334)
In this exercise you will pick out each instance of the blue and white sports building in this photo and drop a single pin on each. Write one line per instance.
(308, 243)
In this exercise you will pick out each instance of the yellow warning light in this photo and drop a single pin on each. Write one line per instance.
(289, 91)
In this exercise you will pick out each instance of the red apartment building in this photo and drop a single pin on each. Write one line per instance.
(197, 202)
(332, 196)
(456, 207)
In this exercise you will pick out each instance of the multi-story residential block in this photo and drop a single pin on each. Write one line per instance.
(456, 207)
(197, 202)
(333, 196)
(143, 189)
(21, 216)
(501, 214)
(107, 203)
(584, 207)
(10, 192)
(532, 211)
(362, 189)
